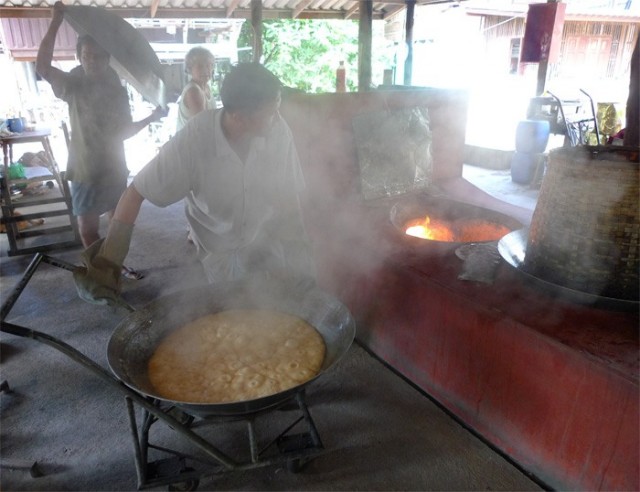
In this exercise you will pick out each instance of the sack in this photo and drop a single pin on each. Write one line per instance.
(16, 171)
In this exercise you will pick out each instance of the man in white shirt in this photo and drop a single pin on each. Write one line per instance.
(238, 171)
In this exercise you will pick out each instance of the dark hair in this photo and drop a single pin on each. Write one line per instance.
(249, 86)
(86, 39)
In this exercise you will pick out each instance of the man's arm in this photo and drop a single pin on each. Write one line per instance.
(51, 74)
(129, 206)
(99, 280)
(135, 126)
(195, 100)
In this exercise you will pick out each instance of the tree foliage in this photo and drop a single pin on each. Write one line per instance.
(304, 54)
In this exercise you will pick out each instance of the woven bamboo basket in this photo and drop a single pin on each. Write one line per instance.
(585, 230)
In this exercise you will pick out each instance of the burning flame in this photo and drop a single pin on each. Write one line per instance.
(430, 229)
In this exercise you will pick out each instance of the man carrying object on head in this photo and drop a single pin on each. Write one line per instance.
(100, 119)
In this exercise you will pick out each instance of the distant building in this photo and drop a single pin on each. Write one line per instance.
(453, 39)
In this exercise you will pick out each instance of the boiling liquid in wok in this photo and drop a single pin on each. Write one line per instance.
(236, 355)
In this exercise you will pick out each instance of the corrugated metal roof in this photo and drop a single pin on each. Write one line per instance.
(285, 9)
(23, 37)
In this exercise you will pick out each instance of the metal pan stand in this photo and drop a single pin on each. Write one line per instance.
(292, 447)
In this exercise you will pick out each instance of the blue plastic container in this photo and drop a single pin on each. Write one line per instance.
(532, 136)
(16, 125)
(524, 166)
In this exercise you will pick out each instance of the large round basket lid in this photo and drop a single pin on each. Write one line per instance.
(131, 54)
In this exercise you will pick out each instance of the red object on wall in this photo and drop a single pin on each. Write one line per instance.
(543, 32)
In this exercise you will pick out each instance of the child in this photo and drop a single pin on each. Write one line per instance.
(196, 95)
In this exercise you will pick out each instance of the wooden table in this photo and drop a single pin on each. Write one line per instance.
(42, 205)
(9, 141)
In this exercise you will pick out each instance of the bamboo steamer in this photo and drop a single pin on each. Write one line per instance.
(585, 230)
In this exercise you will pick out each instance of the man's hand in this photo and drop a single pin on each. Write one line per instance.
(99, 280)
(134, 127)
(158, 113)
(45, 52)
(57, 13)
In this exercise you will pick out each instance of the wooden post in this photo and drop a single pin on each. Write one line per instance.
(541, 82)
(632, 132)
(408, 63)
(365, 29)
(256, 24)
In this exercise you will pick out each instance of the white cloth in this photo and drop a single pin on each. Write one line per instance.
(184, 114)
(245, 218)
(37, 172)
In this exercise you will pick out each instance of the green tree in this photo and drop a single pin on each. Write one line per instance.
(304, 54)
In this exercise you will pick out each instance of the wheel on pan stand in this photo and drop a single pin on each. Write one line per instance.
(187, 486)
(296, 465)
(182, 417)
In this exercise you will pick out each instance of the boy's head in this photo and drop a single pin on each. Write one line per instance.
(199, 62)
(93, 58)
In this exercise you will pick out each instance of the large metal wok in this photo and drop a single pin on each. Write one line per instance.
(135, 339)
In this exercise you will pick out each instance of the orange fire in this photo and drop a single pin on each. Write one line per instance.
(430, 229)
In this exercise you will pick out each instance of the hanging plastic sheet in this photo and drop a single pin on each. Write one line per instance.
(394, 151)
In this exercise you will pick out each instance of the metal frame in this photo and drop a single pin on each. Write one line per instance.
(577, 130)
(293, 449)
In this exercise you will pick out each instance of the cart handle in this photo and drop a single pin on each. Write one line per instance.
(97, 369)
(12, 298)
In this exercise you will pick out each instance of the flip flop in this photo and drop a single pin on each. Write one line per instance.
(131, 274)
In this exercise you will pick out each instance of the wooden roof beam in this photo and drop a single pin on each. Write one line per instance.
(153, 8)
(352, 11)
(233, 4)
(300, 7)
(324, 4)
(388, 12)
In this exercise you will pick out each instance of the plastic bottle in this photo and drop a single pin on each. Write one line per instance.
(341, 78)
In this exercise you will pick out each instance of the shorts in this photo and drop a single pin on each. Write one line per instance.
(89, 198)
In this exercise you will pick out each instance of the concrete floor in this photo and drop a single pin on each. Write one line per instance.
(498, 182)
(379, 432)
